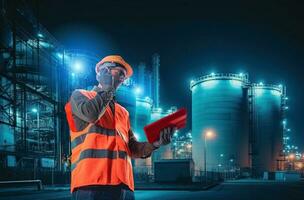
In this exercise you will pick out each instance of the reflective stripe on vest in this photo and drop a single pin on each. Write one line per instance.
(100, 153)
(92, 129)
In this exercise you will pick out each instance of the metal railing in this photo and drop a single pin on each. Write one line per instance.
(223, 76)
(38, 183)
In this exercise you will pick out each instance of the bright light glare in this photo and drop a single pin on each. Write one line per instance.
(291, 156)
(77, 66)
(138, 90)
(59, 55)
(209, 134)
(235, 83)
(209, 84)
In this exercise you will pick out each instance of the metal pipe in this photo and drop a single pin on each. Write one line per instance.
(205, 159)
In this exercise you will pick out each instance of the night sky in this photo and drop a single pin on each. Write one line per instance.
(193, 39)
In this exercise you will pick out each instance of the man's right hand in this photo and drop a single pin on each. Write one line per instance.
(105, 78)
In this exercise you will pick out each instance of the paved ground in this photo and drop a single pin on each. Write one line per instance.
(235, 190)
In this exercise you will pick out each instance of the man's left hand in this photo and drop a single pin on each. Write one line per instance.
(165, 137)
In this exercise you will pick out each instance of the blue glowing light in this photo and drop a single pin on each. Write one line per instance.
(275, 93)
(209, 84)
(235, 83)
(59, 55)
(259, 91)
(77, 66)
(34, 110)
(138, 90)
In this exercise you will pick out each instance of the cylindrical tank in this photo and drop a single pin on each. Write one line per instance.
(125, 96)
(164, 152)
(267, 137)
(219, 106)
(142, 118)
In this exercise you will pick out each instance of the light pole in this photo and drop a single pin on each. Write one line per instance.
(207, 135)
(35, 110)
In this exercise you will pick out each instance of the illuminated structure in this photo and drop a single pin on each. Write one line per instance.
(182, 145)
(142, 118)
(219, 105)
(37, 77)
(267, 127)
(126, 97)
(247, 120)
(165, 152)
(155, 78)
(31, 121)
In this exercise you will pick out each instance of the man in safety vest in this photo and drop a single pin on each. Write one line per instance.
(102, 142)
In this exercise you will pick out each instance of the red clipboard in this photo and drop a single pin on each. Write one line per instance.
(177, 119)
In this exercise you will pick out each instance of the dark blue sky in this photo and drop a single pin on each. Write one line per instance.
(266, 40)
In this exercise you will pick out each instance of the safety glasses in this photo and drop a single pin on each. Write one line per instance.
(122, 75)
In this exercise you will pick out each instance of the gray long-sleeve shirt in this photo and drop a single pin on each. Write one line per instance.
(85, 111)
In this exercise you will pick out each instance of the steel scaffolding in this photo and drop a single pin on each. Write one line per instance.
(31, 98)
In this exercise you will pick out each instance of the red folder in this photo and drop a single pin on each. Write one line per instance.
(177, 119)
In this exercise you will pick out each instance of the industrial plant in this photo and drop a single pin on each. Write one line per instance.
(237, 126)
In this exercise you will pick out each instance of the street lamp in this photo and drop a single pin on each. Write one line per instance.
(291, 158)
(207, 135)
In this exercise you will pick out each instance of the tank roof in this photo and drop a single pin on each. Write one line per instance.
(278, 88)
(220, 76)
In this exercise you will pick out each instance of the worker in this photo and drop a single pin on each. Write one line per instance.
(102, 141)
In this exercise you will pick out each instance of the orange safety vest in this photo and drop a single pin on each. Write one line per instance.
(100, 154)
